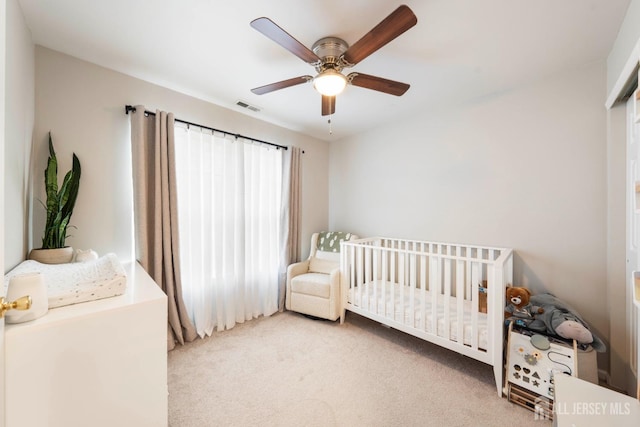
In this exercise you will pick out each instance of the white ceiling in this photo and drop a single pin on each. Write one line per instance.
(460, 50)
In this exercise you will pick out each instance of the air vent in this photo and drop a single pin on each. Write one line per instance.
(248, 106)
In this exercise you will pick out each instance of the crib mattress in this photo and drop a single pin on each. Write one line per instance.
(77, 282)
(402, 310)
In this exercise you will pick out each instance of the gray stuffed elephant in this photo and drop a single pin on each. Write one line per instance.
(562, 320)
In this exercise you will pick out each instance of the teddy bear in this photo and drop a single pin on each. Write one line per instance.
(519, 308)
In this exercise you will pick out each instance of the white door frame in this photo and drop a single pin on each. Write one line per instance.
(3, 55)
(633, 227)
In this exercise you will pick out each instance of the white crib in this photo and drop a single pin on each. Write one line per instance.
(399, 282)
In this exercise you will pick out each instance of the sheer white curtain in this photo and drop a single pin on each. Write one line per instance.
(229, 196)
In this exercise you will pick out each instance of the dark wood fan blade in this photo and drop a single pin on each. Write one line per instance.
(399, 21)
(378, 83)
(281, 85)
(270, 29)
(328, 105)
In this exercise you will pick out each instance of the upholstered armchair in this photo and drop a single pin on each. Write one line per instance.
(313, 285)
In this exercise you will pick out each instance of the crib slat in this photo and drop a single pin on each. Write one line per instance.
(423, 290)
(434, 289)
(374, 261)
(402, 265)
(369, 285)
(367, 264)
(385, 267)
(392, 291)
(360, 273)
(460, 273)
(475, 277)
(354, 275)
(468, 294)
(343, 279)
(410, 314)
(352, 272)
(491, 283)
(446, 300)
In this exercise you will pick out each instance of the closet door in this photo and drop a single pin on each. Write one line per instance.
(633, 224)
(3, 31)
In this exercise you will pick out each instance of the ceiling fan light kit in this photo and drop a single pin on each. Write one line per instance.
(329, 82)
(330, 55)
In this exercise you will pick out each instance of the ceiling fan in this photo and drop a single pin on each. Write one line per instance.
(330, 55)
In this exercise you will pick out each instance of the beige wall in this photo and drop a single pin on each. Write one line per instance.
(82, 104)
(626, 43)
(526, 169)
(18, 130)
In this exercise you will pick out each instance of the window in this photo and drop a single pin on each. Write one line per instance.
(229, 206)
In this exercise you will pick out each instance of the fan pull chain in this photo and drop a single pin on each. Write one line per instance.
(329, 121)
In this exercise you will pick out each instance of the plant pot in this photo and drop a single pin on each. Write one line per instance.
(52, 256)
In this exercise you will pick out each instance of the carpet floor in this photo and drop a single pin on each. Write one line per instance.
(290, 370)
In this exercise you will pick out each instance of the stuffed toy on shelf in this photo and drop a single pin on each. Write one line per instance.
(561, 319)
(547, 314)
(519, 308)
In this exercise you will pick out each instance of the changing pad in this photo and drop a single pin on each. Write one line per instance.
(77, 282)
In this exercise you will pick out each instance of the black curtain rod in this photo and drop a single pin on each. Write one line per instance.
(128, 108)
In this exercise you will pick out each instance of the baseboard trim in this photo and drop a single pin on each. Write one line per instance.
(604, 377)
(604, 380)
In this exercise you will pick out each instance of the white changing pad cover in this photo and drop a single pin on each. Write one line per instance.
(77, 282)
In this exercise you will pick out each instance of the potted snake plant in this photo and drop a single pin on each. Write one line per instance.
(59, 207)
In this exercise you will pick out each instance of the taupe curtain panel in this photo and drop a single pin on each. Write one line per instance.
(156, 213)
(290, 225)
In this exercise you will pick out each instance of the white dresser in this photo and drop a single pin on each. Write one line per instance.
(581, 403)
(99, 363)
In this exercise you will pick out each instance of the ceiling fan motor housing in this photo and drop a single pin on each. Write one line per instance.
(330, 50)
